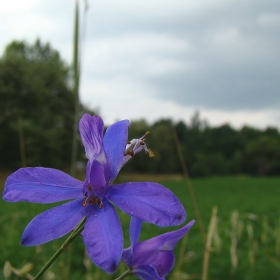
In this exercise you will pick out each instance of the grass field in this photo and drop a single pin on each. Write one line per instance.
(246, 242)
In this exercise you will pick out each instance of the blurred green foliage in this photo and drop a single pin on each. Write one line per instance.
(208, 151)
(36, 105)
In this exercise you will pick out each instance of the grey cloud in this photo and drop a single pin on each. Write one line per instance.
(222, 89)
(243, 72)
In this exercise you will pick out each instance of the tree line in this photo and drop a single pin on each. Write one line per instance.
(207, 151)
(37, 114)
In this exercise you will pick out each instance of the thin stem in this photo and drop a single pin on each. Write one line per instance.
(74, 234)
(76, 80)
(190, 186)
(212, 228)
(125, 274)
(21, 142)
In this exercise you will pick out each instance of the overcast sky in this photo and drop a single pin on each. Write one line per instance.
(165, 59)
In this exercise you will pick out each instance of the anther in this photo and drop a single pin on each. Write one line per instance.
(151, 154)
(91, 200)
(99, 202)
(129, 153)
(89, 187)
(84, 202)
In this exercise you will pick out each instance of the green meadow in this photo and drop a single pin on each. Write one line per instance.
(245, 242)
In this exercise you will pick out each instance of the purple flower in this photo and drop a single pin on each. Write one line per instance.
(152, 259)
(94, 198)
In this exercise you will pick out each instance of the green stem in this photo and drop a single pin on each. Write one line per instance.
(74, 234)
(76, 80)
(125, 274)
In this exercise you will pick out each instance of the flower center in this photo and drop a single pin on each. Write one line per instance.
(91, 198)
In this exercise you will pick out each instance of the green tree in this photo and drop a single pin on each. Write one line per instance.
(166, 158)
(264, 155)
(209, 164)
(37, 107)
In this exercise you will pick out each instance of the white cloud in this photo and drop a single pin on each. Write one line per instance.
(15, 6)
(133, 52)
(158, 66)
(152, 9)
(31, 19)
(262, 118)
(227, 37)
(119, 98)
(269, 20)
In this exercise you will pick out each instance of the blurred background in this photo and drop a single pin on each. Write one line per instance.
(202, 76)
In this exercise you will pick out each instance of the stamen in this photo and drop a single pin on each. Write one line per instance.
(137, 145)
(150, 152)
(91, 200)
(99, 202)
(129, 153)
(84, 202)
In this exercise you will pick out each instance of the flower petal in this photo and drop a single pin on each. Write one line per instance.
(134, 233)
(163, 262)
(91, 130)
(146, 272)
(97, 178)
(41, 185)
(134, 230)
(166, 241)
(115, 140)
(158, 251)
(103, 236)
(127, 256)
(53, 223)
(150, 202)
